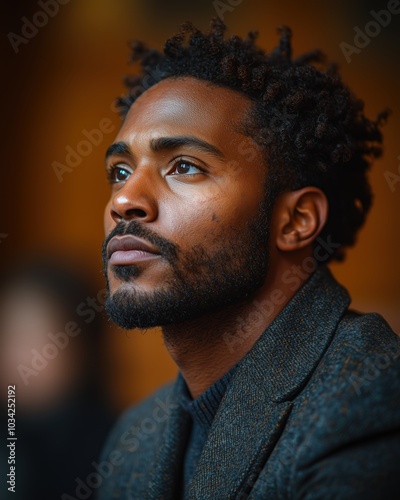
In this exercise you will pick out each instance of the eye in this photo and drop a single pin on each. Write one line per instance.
(117, 174)
(184, 167)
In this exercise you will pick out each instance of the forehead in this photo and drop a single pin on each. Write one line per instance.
(190, 106)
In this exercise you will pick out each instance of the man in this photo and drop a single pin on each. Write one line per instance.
(236, 176)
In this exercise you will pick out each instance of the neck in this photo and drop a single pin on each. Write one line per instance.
(208, 347)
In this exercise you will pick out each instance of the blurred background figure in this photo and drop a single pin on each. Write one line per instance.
(51, 350)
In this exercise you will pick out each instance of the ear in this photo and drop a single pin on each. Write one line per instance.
(299, 218)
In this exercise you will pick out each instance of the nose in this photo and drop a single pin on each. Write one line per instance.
(135, 199)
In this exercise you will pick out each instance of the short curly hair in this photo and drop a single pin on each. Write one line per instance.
(310, 126)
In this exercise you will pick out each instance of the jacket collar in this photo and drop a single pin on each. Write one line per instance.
(292, 346)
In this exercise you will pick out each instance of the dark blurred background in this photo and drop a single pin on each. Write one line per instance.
(63, 80)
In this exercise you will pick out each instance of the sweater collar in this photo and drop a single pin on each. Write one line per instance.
(204, 408)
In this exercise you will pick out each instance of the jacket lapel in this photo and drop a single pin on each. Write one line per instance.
(241, 438)
(254, 410)
(166, 474)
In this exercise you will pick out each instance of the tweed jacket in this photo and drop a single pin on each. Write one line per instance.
(311, 412)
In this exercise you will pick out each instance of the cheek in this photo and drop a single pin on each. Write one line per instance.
(202, 221)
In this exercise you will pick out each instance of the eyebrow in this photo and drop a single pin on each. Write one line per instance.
(168, 143)
(160, 144)
(118, 148)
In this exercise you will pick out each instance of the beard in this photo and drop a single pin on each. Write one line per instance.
(200, 281)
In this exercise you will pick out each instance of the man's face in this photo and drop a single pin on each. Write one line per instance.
(186, 227)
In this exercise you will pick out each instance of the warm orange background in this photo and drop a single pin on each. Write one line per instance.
(65, 80)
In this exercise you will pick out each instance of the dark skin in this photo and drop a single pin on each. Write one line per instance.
(190, 195)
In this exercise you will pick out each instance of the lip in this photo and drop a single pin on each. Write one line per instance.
(128, 249)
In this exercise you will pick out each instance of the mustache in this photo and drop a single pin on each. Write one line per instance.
(166, 248)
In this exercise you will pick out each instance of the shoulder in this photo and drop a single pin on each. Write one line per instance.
(349, 414)
(357, 380)
(363, 359)
(133, 442)
(345, 422)
(140, 421)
